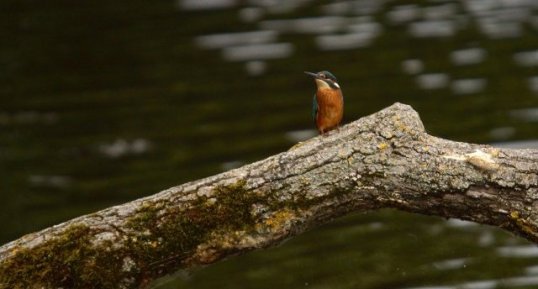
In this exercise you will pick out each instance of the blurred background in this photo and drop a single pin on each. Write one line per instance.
(103, 102)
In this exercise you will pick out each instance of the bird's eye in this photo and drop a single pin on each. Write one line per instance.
(322, 75)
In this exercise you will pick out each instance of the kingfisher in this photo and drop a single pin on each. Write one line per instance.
(328, 106)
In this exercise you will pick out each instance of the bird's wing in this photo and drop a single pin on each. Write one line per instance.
(314, 108)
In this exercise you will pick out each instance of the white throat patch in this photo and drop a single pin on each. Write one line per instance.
(322, 84)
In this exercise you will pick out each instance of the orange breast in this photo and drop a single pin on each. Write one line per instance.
(330, 109)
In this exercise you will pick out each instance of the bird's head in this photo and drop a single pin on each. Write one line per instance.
(324, 79)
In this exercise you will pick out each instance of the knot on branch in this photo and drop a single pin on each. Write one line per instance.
(396, 120)
(400, 114)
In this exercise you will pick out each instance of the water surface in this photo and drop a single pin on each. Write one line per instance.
(104, 102)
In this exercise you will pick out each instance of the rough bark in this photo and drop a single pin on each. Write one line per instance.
(385, 160)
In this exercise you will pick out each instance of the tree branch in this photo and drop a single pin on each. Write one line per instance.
(385, 160)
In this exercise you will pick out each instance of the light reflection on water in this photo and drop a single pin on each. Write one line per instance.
(516, 251)
(433, 80)
(314, 25)
(404, 13)
(300, 135)
(526, 144)
(502, 133)
(432, 28)
(412, 66)
(533, 84)
(526, 251)
(468, 56)
(28, 117)
(468, 86)
(527, 58)
(206, 4)
(50, 181)
(233, 39)
(451, 264)
(344, 41)
(122, 147)
(514, 282)
(258, 52)
(525, 114)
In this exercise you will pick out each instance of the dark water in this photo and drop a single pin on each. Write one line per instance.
(103, 102)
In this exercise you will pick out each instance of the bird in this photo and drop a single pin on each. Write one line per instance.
(328, 103)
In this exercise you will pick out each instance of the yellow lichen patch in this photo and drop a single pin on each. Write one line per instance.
(382, 145)
(523, 224)
(400, 125)
(280, 219)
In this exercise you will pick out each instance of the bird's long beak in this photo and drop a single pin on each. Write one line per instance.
(311, 74)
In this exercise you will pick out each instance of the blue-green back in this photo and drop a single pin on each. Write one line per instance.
(314, 108)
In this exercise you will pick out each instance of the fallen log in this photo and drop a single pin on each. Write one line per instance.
(385, 160)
